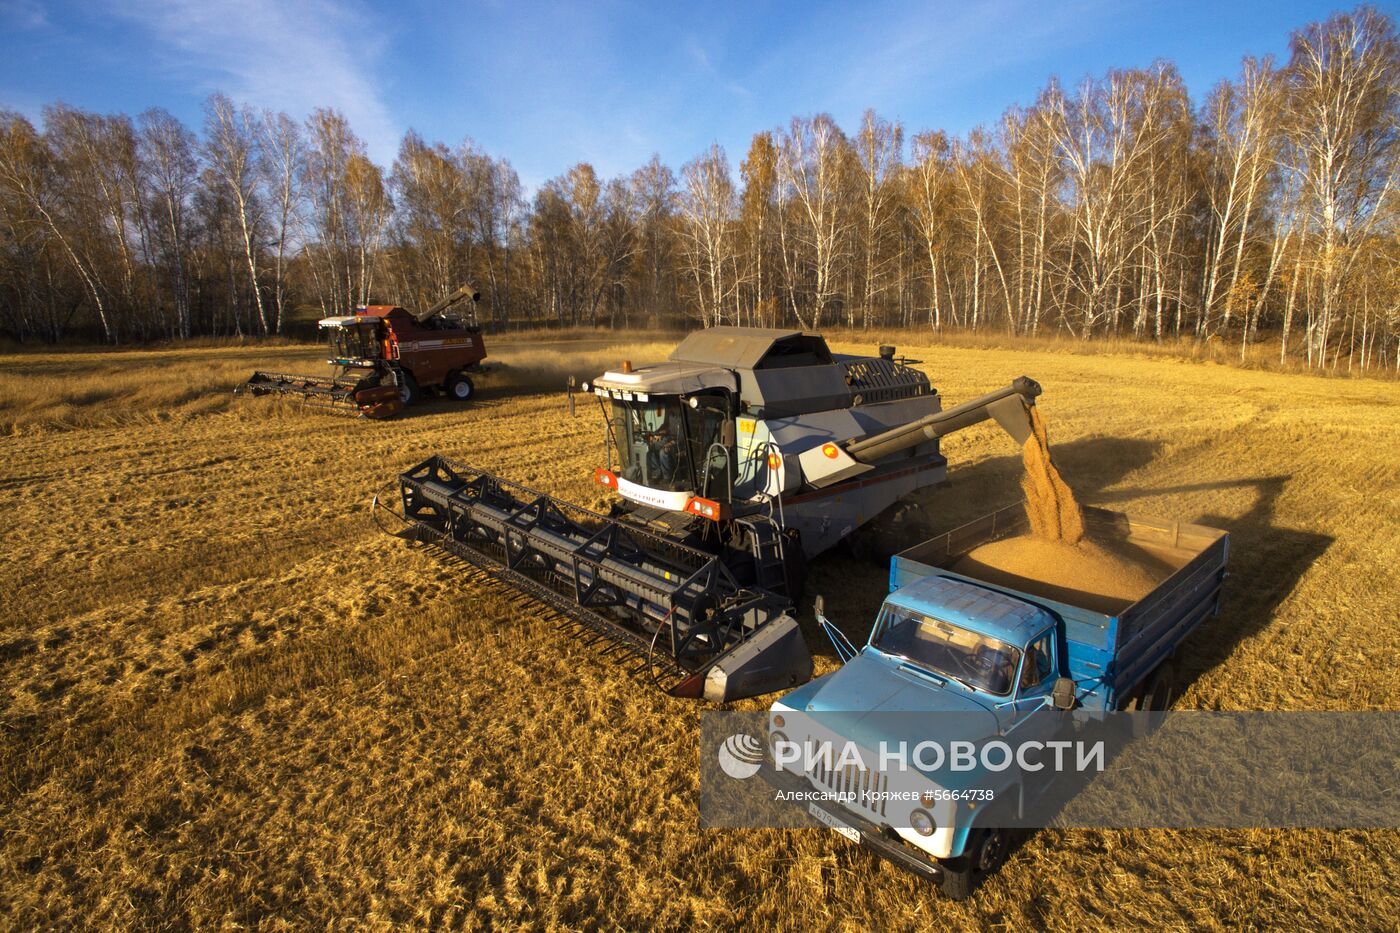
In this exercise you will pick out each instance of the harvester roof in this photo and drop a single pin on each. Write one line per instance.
(752, 348)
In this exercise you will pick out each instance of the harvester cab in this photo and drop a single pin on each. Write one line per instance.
(766, 446)
(354, 342)
(736, 460)
(386, 358)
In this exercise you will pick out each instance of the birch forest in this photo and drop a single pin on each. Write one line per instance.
(1265, 212)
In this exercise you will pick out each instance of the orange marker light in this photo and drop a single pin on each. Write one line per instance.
(605, 478)
(705, 508)
(774, 461)
(830, 450)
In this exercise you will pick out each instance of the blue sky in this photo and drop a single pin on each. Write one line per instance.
(548, 85)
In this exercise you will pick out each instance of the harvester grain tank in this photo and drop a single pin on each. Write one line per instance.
(746, 453)
(386, 357)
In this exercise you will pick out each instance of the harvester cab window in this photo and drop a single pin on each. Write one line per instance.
(660, 432)
(704, 427)
(358, 341)
(947, 650)
(653, 445)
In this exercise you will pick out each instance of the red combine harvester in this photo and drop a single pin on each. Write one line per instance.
(386, 358)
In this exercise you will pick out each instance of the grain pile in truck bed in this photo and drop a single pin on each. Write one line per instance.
(1055, 560)
(1102, 576)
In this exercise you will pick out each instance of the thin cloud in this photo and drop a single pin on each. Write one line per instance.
(23, 14)
(292, 56)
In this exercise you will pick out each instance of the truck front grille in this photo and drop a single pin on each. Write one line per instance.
(862, 787)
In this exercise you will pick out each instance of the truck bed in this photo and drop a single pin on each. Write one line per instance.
(1112, 644)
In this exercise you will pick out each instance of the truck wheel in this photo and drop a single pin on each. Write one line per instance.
(1156, 697)
(460, 387)
(986, 853)
(1160, 693)
(409, 392)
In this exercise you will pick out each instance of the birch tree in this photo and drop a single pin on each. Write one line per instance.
(231, 150)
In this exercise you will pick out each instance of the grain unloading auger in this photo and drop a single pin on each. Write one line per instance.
(744, 455)
(386, 358)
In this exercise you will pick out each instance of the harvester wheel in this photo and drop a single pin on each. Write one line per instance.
(460, 387)
(408, 388)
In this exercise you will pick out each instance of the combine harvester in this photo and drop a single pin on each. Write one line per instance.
(386, 358)
(746, 454)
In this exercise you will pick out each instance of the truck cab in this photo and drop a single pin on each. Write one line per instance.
(956, 660)
(950, 662)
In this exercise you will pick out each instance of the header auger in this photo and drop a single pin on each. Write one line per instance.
(386, 358)
(747, 453)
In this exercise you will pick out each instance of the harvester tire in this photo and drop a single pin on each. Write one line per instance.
(408, 388)
(460, 387)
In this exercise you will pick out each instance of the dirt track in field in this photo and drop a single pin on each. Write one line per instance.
(228, 699)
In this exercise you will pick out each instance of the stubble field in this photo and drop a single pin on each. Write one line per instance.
(227, 699)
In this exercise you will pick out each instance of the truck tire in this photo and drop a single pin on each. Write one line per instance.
(408, 388)
(987, 851)
(460, 387)
(1157, 695)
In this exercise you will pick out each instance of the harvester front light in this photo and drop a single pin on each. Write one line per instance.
(921, 822)
(605, 478)
(705, 508)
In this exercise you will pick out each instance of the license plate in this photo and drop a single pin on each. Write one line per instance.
(829, 820)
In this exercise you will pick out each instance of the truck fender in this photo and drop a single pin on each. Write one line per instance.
(978, 819)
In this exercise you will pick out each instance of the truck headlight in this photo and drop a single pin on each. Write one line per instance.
(921, 823)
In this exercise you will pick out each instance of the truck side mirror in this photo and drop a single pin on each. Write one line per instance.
(844, 649)
(1062, 694)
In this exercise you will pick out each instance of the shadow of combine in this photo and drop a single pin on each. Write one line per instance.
(490, 396)
(1266, 563)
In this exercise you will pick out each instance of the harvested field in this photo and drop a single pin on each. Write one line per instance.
(229, 700)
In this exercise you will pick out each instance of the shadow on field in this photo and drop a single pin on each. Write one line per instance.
(489, 396)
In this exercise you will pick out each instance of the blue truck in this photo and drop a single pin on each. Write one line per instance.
(1007, 654)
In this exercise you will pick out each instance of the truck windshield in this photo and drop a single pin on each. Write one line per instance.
(661, 442)
(949, 650)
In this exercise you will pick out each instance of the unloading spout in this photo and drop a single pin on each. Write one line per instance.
(461, 294)
(1007, 406)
